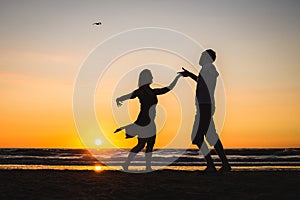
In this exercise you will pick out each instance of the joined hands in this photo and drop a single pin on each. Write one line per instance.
(184, 73)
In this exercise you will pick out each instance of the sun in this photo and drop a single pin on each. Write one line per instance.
(97, 168)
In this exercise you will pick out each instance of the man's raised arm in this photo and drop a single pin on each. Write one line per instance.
(186, 73)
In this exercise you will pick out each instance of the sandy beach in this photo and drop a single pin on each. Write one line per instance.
(162, 184)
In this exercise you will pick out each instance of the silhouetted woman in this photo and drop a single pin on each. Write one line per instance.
(144, 127)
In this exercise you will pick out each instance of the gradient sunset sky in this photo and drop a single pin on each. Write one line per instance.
(44, 43)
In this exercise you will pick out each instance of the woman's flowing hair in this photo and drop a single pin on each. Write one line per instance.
(145, 77)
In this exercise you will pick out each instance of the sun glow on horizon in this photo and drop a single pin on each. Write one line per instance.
(98, 168)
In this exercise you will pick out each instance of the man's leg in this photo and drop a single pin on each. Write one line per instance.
(213, 139)
(206, 152)
(205, 117)
(220, 151)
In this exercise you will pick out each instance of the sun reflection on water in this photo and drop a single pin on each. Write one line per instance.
(100, 168)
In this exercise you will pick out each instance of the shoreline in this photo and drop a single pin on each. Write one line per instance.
(140, 168)
(161, 184)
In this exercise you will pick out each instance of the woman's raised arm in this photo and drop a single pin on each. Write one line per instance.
(164, 90)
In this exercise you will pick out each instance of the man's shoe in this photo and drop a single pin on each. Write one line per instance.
(225, 168)
(210, 169)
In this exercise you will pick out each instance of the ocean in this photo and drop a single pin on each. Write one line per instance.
(175, 159)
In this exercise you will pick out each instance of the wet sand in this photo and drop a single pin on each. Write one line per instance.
(163, 184)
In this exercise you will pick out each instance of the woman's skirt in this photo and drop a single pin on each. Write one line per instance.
(134, 129)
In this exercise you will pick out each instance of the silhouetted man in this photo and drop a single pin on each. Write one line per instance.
(205, 104)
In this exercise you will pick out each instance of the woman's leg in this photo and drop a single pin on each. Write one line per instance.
(140, 145)
(149, 150)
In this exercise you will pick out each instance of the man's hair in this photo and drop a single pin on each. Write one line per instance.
(211, 53)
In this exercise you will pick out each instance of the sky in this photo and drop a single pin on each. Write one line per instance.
(43, 45)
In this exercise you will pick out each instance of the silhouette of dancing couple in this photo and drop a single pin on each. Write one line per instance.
(145, 129)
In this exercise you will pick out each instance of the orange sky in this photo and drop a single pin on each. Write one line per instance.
(35, 116)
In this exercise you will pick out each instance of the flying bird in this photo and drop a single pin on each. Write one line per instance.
(97, 23)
